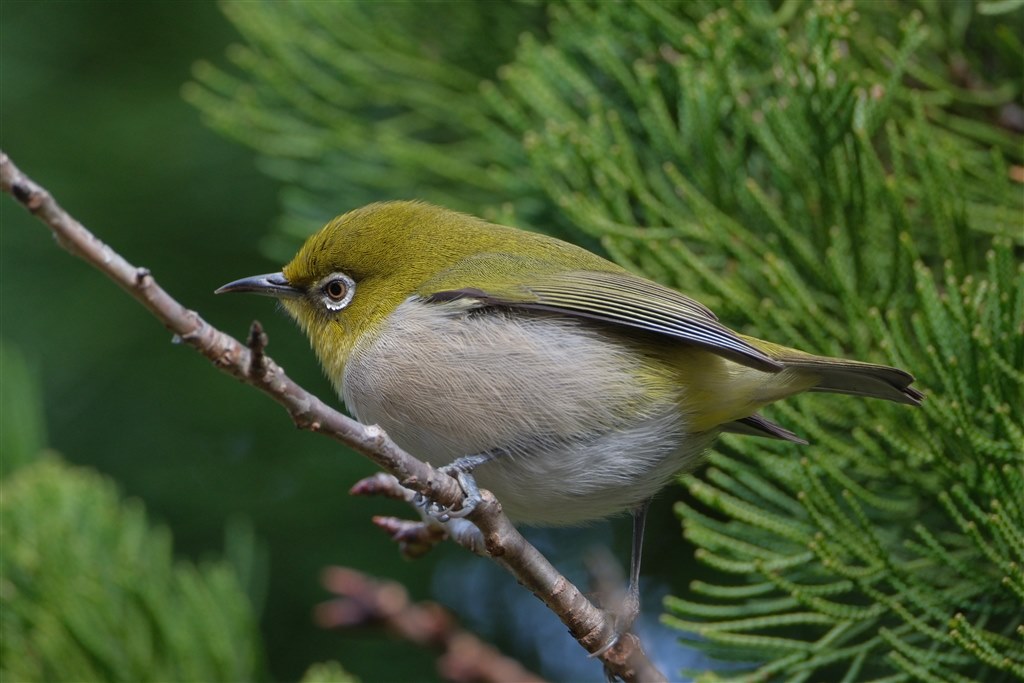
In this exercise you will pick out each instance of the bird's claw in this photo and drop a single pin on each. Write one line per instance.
(623, 619)
(609, 644)
(469, 486)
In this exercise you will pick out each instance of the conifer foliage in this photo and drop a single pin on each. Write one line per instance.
(840, 177)
(92, 591)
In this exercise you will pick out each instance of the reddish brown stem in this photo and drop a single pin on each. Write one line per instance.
(363, 601)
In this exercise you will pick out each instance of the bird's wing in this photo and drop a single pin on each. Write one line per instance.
(612, 296)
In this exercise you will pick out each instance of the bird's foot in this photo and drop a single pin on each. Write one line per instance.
(623, 617)
(462, 470)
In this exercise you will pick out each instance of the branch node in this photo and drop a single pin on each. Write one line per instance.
(411, 482)
(375, 433)
(22, 193)
(142, 277)
(493, 544)
(301, 418)
(257, 342)
(197, 328)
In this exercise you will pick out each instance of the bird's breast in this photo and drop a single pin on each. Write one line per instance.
(573, 411)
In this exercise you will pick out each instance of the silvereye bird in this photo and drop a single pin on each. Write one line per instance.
(570, 387)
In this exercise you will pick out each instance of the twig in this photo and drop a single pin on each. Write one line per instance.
(589, 625)
(363, 601)
(416, 539)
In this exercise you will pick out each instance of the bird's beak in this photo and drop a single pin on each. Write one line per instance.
(270, 284)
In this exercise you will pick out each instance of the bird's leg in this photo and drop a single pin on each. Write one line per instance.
(631, 608)
(461, 469)
(626, 613)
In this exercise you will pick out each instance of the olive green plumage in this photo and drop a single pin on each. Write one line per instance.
(589, 385)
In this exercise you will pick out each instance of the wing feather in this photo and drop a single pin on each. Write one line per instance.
(613, 296)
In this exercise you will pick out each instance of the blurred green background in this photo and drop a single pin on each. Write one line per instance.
(91, 109)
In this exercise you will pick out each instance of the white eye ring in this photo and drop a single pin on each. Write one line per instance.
(336, 291)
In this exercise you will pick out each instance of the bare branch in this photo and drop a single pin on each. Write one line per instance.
(592, 627)
(363, 601)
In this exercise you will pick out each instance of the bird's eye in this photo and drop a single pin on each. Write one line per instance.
(337, 291)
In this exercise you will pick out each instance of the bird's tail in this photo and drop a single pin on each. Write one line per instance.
(840, 376)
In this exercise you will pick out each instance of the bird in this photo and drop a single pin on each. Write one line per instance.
(568, 386)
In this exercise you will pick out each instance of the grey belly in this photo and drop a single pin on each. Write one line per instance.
(577, 436)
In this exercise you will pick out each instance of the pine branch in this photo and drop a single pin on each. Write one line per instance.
(591, 627)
